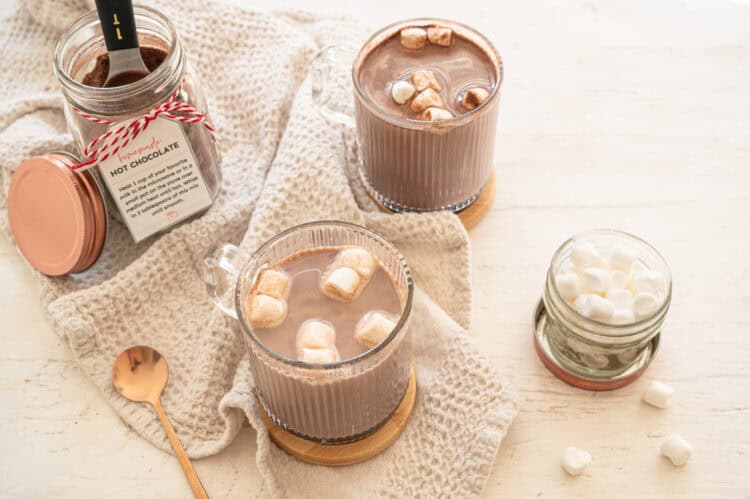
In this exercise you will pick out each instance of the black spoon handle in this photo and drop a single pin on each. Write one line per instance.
(118, 24)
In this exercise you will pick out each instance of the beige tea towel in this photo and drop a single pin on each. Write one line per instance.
(283, 164)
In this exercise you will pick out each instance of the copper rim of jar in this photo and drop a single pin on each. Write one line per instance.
(563, 312)
(463, 30)
(403, 320)
(163, 75)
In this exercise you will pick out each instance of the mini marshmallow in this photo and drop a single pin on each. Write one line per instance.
(274, 283)
(436, 114)
(424, 79)
(402, 91)
(594, 307)
(341, 284)
(373, 328)
(567, 285)
(315, 334)
(267, 311)
(648, 281)
(621, 298)
(584, 255)
(358, 259)
(413, 38)
(426, 98)
(644, 305)
(439, 35)
(319, 355)
(622, 258)
(676, 449)
(622, 316)
(618, 279)
(658, 394)
(575, 460)
(596, 279)
(474, 97)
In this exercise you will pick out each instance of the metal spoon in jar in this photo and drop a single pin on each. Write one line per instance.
(140, 374)
(120, 35)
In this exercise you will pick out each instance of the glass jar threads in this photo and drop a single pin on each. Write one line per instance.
(586, 329)
(149, 141)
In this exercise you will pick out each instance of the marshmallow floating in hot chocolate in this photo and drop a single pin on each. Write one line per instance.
(474, 97)
(373, 328)
(413, 38)
(426, 98)
(617, 290)
(439, 35)
(347, 276)
(274, 283)
(436, 114)
(316, 342)
(402, 91)
(266, 311)
(424, 79)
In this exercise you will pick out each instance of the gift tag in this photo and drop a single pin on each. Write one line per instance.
(155, 180)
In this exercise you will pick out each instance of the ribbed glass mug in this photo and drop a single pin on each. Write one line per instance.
(328, 403)
(408, 164)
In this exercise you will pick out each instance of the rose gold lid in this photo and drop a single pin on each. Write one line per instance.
(56, 215)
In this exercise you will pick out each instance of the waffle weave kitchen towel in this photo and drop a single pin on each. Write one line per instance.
(283, 165)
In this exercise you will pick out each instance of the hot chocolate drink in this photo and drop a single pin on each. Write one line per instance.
(307, 304)
(328, 336)
(427, 94)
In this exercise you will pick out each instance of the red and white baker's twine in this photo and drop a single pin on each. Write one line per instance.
(115, 139)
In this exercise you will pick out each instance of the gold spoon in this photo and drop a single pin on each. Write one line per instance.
(140, 374)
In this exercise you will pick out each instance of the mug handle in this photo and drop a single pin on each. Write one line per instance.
(221, 270)
(332, 90)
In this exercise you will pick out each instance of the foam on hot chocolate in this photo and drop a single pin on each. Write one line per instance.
(451, 66)
(306, 301)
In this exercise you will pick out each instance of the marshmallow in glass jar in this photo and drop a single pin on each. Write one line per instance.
(605, 301)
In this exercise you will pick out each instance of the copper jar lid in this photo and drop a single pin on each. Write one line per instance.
(57, 216)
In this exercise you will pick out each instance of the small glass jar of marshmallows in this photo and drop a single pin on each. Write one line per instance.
(605, 300)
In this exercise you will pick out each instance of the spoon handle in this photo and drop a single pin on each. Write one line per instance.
(118, 24)
(179, 450)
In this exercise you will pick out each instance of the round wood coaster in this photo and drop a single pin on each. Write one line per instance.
(349, 453)
(472, 214)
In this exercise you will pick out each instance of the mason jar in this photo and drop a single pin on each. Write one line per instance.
(588, 353)
(140, 173)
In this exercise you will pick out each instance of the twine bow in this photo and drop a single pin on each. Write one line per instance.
(115, 139)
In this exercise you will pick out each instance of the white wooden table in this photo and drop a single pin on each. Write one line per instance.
(631, 115)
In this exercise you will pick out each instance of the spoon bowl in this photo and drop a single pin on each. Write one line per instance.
(140, 374)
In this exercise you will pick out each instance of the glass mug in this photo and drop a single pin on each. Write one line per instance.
(329, 403)
(408, 164)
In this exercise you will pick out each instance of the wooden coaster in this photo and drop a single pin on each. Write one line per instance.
(350, 453)
(472, 214)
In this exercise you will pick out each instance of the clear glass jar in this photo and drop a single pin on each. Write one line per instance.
(75, 56)
(327, 403)
(591, 354)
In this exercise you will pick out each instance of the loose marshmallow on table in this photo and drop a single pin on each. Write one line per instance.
(426, 98)
(424, 79)
(596, 280)
(436, 114)
(413, 38)
(474, 97)
(594, 307)
(584, 255)
(274, 283)
(658, 394)
(567, 285)
(575, 460)
(676, 449)
(373, 328)
(267, 311)
(341, 284)
(439, 35)
(402, 91)
(315, 334)
(358, 259)
(320, 355)
(644, 305)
